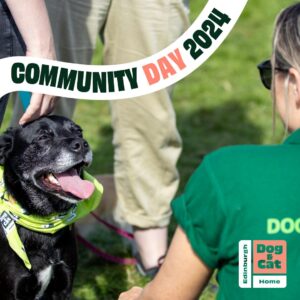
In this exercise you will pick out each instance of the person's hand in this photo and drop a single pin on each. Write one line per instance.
(132, 294)
(40, 105)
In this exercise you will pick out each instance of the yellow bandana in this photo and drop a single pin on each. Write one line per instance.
(11, 213)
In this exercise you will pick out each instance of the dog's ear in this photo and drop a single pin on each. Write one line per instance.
(6, 144)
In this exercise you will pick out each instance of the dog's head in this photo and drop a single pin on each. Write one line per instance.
(43, 163)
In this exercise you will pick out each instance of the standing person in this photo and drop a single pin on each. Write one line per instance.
(26, 30)
(146, 141)
(239, 193)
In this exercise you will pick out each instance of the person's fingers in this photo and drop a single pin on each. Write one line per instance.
(48, 105)
(132, 294)
(33, 110)
(122, 296)
(39, 105)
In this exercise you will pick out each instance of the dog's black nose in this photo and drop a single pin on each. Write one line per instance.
(78, 145)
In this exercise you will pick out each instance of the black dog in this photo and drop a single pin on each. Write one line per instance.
(43, 163)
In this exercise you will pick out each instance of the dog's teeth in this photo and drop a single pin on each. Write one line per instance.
(52, 179)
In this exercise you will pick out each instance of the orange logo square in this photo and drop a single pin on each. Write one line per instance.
(269, 257)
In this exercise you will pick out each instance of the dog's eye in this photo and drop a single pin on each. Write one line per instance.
(78, 131)
(43, 137)
(43, 134)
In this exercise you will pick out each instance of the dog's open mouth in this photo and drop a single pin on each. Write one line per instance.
(68, 183)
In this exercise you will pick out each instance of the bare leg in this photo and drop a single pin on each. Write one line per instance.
(151, 244)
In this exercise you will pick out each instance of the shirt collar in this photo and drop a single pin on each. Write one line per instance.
(294, 138)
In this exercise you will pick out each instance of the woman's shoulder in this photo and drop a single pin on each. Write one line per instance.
(243, 156)
(242, 151)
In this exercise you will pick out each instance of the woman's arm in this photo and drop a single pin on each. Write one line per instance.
(182, 276)
(33, 23)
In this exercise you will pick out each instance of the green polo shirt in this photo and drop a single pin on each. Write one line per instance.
(244, 193)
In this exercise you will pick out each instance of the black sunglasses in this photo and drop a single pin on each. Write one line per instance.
(265, 72)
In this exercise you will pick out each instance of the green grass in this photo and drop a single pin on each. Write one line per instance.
(221, 103)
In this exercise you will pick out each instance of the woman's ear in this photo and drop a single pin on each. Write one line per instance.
(294, 86)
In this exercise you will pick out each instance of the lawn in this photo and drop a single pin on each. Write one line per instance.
(221, 103)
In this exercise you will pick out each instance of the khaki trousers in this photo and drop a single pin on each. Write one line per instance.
(146, 141)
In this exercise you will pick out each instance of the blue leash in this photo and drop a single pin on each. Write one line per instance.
(25, 99)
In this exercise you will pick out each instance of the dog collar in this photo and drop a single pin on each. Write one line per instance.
(11, 213)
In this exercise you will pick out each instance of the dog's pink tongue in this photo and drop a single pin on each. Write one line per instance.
(72, 183)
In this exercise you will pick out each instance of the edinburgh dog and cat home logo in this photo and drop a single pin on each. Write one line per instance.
(262, 264)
